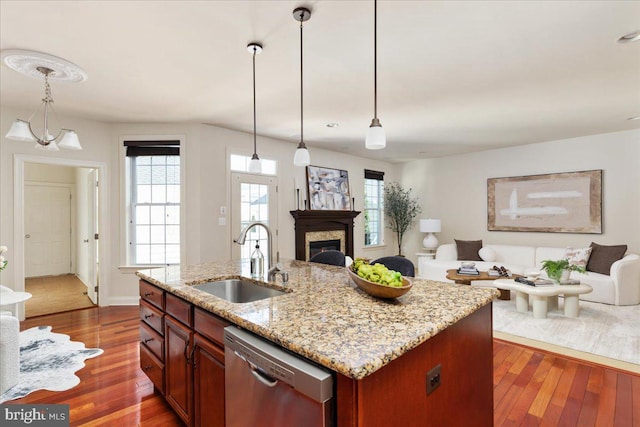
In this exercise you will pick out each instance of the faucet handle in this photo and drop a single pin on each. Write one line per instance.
(285, 276)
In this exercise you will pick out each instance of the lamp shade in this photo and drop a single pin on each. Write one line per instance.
(20, 131)
(255, 165)
(70, 140)
(430, 225)
(302, 157)
(376, 138)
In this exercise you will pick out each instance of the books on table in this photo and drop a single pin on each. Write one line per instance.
(466, 271)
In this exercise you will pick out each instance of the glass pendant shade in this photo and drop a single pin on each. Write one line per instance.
(376, 138)
(20, 131)
(302, 157)
(255, 165)
(70, 140)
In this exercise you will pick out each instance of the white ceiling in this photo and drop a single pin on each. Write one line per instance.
(453, 76)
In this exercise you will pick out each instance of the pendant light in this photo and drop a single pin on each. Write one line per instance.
(255, 165)
(301, 158)
(376, 138)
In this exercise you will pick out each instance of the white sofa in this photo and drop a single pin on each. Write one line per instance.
(620, 287)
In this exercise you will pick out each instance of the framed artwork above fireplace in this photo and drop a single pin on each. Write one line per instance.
(328, 189)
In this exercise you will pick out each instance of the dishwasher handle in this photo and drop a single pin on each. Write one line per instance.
(257, 372)
(263, 378)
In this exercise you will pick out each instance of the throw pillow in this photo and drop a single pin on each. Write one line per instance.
(468, 250)
(487, 254)
(603, 256)
(578, 257)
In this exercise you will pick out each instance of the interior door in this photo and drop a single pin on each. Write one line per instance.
(253, 198)
(92, 214)
(47, 211)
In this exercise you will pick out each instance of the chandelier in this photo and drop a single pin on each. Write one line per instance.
(35, 64)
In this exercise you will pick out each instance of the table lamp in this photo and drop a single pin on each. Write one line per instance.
(430, 226)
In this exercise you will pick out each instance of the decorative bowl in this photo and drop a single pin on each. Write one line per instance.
(378, 290)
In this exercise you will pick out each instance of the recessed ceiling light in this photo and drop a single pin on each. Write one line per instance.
(631, 37)
(634, 118)
(332, 125)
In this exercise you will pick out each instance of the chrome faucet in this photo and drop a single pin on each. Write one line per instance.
(273, 267)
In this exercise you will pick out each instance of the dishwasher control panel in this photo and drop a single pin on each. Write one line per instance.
(265, 365)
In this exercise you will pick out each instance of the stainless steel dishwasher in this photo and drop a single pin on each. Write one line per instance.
(268, 386)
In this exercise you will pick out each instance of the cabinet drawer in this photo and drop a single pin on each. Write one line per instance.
(209, 325)
(153, 340)
(152, 294)
(152, 367)
(179, 309)
(152, 317)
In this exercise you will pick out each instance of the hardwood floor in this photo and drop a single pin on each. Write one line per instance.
(531, 387)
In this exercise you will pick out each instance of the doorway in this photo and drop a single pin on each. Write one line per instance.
(253, 198)
(56, 198)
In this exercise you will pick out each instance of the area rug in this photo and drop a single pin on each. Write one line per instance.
(48, 361)
(600, 329)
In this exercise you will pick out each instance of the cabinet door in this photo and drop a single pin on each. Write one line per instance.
(178, 369)
(208, 372)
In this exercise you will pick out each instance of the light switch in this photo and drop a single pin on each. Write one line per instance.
(223, 210)
(222, 220)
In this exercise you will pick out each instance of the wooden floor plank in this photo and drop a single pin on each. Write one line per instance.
(531, 387)
(624, 402)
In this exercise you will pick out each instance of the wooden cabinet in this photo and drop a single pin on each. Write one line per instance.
(182, 353)
(208, 366)
(178, 369)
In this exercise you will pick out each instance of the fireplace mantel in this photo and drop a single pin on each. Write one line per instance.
(320, 220)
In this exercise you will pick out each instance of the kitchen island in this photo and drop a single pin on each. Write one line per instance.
(380, 350)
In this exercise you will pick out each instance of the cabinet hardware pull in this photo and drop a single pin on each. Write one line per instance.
(193, 360)
(146, 316)
(148, 294)
(147, 340)
(147, 368)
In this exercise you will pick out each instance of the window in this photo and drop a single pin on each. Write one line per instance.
(373, 207)
(154, 177)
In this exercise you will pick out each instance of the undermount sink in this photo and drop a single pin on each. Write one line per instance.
(238, 290)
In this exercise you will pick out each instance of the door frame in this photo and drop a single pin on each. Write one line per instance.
(19, 161)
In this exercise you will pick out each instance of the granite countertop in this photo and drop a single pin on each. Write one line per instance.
(325, 317)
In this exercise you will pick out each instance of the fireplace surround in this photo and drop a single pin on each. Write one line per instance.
(321, 225)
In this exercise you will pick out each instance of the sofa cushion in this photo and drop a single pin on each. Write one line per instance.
(579, 257)
(487, 254)
(468, 250)
(603, 256)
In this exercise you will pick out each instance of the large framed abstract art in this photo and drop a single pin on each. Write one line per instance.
(569, 202)
(328, 189)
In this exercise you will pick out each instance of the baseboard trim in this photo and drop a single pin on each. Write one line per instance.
(123, 301)
(568, 352)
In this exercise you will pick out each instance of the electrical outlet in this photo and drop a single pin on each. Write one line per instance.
(433, 379)
(222, 220)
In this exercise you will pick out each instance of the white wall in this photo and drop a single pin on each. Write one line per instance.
(454, 189)
(35, 172)
(206, 182)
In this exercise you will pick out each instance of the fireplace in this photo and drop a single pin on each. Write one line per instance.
(315, 228)
(323, 245)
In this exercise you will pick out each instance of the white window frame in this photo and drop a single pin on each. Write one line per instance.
(126, 264)
(379, 209)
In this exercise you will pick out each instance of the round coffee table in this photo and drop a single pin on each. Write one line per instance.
(464, 279)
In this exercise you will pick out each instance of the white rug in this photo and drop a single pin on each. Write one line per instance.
(601, 329)
(48, 361)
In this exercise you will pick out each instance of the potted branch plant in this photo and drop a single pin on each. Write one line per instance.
(559, 270)
(400, 208)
